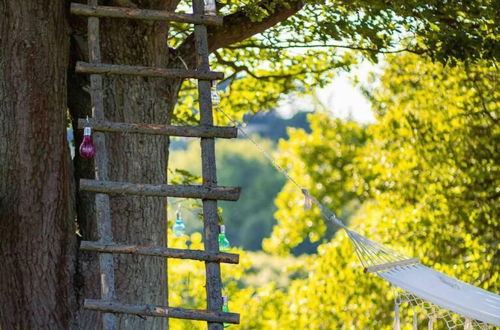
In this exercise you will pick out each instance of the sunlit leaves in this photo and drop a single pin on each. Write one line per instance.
(427, 176)
(322, 163)
(304, 50)
(439, 157)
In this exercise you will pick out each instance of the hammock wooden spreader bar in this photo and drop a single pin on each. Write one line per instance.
(390, 265)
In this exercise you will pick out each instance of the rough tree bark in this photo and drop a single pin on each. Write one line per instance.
(133, 158)
(37, 240)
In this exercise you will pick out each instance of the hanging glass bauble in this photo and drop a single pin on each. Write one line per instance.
(223, 241)
(225, 308)
(87, 147)
(178, 228)
(215, 96)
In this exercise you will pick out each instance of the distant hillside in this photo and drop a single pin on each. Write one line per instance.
(272, 126)
(239, 163)
(268, 125)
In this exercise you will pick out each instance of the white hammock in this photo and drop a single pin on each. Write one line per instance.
(423, 286)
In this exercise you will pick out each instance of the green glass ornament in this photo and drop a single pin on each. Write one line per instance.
(223, 241)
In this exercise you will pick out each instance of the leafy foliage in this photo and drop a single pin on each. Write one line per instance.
(433, 166)
(424, 179)
(239, 164)
(427, 178)
(320, 161)
(304, 51)
(258, 304)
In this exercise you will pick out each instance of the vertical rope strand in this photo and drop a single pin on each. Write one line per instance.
(397, 321)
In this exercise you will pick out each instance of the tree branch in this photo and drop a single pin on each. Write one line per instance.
(244, 68)
(352, 47)
(287, 76)
(238, 27)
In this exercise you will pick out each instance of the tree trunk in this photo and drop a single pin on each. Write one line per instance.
(133, 158)
(37, 228)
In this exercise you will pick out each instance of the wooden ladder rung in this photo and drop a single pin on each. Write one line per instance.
(161, 190)
(156, 251)
(154, 129)
(161, 311)
(144, 14)
(145, 71)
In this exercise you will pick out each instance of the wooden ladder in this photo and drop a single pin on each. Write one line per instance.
(209, 192)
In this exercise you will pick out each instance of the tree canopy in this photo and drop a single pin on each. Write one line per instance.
(423, 180)
(264, 61)
(426, 177)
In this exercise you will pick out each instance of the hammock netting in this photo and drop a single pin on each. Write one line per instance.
(436, 316)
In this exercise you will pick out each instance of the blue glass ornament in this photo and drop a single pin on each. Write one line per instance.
(178, 228)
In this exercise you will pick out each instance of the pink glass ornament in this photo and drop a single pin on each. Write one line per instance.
(87, 148)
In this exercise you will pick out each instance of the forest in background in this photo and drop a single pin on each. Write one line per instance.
(424, 179)
(241, 164)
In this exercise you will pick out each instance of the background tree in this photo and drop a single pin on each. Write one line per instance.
(240, 164)
(428, 189)
(427, 177)
(323, 162)
(38, 48)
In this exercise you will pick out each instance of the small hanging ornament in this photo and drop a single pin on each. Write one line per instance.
(178, 228)
(215, 95)
(225, 308)
(307, 200)
(87, 147)
(210, 8)
(223, 241)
